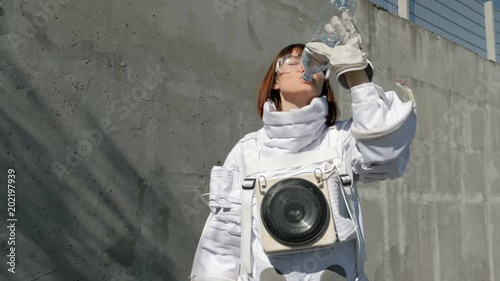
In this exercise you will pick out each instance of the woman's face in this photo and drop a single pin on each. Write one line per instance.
(292, 86)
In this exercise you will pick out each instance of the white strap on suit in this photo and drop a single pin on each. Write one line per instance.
(255, 164)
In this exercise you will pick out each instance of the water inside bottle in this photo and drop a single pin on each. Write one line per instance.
(312, 64)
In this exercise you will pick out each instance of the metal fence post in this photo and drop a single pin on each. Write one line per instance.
(489, 24)
(403, 8)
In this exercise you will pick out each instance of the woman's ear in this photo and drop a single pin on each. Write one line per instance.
(276, 86)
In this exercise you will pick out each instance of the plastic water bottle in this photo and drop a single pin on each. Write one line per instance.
(314, 64)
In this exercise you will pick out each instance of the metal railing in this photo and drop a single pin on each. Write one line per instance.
(461, 24)
(461, 21)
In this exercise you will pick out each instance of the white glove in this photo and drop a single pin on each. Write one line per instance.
(347, 56)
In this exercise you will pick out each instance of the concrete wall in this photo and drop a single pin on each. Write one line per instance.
(113, 112)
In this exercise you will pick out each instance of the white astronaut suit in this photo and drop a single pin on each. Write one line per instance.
(373, 145)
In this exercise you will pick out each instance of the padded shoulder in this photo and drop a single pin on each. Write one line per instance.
(247, 137)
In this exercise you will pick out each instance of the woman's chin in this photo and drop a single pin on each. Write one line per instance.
(303, 94)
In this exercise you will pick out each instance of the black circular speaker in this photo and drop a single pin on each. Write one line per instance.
(294, 211)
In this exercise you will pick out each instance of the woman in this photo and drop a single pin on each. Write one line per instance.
(299, 116)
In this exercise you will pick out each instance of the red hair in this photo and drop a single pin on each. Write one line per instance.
(266, 90)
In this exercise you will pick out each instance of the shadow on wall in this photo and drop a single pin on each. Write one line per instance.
(86, 208)
(85, 211)
(93, 199)
(87, 226)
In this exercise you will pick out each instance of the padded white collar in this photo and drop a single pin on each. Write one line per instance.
(293, 130)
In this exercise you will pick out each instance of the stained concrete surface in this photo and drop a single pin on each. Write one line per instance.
(113, 113)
